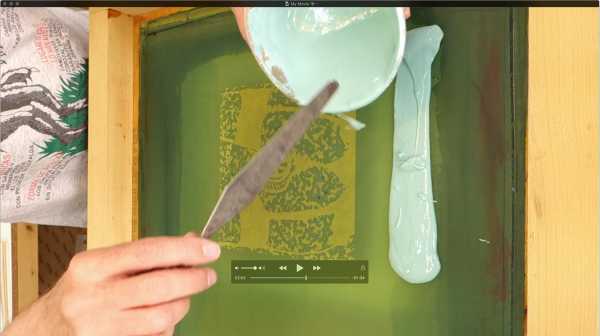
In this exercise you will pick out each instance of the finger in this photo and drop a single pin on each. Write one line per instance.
(407, 12)
(169, 332)
(151, 253)
(154, 320)
(190, 234)
(156, 287)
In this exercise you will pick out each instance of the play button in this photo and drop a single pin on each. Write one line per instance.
(299, 268)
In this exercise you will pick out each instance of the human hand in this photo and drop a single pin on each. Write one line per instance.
(139, 288)
(240, 14)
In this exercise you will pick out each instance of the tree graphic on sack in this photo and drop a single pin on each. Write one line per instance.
(62, 116)
(73, 90)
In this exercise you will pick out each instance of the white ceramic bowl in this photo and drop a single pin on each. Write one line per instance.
(301, 49)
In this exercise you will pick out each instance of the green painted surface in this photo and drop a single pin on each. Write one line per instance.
(477, 144)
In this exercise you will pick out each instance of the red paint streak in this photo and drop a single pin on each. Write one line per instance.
(491, 127)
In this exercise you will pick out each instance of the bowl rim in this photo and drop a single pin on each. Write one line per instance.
(358, 104)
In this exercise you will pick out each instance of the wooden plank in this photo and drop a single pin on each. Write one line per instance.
(562, 164)
(25, 269)
(111, 123)
(133, 11)
(135, 126)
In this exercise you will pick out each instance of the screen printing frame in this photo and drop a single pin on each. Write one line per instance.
(561, 235)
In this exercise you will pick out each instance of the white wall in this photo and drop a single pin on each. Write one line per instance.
(5, 275)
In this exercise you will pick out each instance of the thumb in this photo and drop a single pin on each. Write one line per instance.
(190, 234)
(168, 332)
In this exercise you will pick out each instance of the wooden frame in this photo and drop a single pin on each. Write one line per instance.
(111, 129)
(25, 265)
(113, 147)
(562, 172)
(562, 155)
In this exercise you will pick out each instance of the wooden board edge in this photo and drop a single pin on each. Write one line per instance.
(25, 266)
(113, 214)
(135, 11)
(562, 172)
(111, 209)
(135, 125)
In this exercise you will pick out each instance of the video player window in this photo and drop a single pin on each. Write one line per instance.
(398, 211)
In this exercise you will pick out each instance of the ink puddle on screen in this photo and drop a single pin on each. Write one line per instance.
(412, 222)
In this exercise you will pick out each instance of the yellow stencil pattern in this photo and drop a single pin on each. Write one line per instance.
(307, 209)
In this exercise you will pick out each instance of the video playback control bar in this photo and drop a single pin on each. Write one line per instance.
(299, 271)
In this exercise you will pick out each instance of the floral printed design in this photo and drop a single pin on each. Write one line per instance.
(231, 104)
(322, 142)
(313, 188)
(298, 236)
(299, 206)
